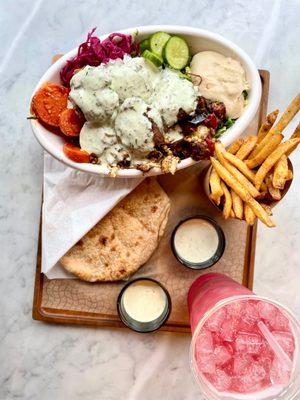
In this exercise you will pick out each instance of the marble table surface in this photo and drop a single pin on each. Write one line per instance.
(40, 361)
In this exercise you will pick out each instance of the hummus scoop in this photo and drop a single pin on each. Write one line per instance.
(222, 79)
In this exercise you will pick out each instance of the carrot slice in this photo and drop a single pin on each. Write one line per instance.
(71, 122)
(49, 101)
(75, 153)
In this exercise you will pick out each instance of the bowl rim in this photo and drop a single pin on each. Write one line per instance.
(233, 133)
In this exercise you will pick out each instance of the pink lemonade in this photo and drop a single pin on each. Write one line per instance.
(232, 358)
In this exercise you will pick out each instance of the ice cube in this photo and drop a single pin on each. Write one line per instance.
(279, 322)
(220, 380)
(279, 374)
(218, 341)
(286, 341)
(234, 309)
(257, 372)
(244, 384)
(241, 363)
(204, 342)
(265, 359)
(249, 317)
(248, 374)
(249, 343)
(215, 321)
(206, 363)
(228, 329)
(266, 310)
(222, 355)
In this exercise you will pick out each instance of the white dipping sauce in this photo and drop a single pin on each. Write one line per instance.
(144, 301)
(196, 240)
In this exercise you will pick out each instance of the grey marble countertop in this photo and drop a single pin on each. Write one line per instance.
(40, 361)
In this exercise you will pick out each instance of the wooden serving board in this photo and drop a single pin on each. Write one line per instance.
(71, 301)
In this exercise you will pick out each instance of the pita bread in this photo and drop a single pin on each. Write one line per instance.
(124, 239)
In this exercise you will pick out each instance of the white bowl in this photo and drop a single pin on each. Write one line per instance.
(198, 40)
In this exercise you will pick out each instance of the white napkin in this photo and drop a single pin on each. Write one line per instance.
(73, 203)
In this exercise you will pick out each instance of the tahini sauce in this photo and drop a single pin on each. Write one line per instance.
(223, 79)
(196, 240)
(144, 301)
(115, 96)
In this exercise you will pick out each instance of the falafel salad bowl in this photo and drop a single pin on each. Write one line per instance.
(144, 101)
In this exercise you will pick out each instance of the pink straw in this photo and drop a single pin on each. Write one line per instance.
(275, 346)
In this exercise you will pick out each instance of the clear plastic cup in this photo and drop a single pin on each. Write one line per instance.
(214, 292)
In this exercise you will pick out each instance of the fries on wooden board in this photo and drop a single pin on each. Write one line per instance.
(249, 177)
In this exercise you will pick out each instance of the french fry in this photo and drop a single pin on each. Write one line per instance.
(219, 149)
(274, 192)
(295, 135)
(250, 217)
(260, 146)
(288, 115)
(237, 205)
(227, 202)
(247, 147)
(267, 125)
(289, 175)
(285, 119)
(269, 162)
(232, 214)
(240, 165)
(242, 192)
(235, 146)
(264, 187)
(262, 195)
(215, 187)
(230, 180)
(280, 172)
(260, 212)
(267, 208)
(265, 151)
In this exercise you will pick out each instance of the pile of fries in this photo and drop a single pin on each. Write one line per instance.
(251, 175)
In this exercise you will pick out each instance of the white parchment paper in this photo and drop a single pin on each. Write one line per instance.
(74, 202)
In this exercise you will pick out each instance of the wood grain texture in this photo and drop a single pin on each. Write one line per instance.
(70, 301)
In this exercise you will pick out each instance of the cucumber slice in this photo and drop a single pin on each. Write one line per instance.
(152, 58)
(158, 41)
(176, 53)
(144, 45)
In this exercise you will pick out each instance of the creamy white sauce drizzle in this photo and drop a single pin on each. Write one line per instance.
(196, 240)
(125, 96)
(133, 77)
(90, 91)
(133, 125)
(102, 141)
(144, 301)
(172, 93)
